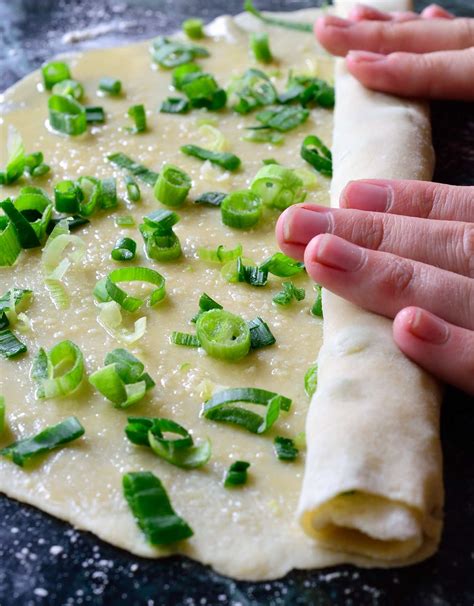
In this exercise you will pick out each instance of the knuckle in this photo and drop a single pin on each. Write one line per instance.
(398, 277)
(468, 248)
(466, 31)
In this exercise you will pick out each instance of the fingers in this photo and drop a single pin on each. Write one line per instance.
(385, 283)
(433, 11)
(361, 12)
(443, 349)
(411, 198)
(339, 36)
(445, 244)
(437, 75)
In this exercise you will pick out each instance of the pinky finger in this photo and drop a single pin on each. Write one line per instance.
(444, 350)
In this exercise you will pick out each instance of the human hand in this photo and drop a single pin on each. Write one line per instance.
(429, 55)
(403, 249)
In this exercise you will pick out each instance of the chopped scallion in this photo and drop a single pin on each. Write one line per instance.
(224, 159)
(278, 187)
(135, 168)
(161, 243)
(10, 345)
(122, 380)
(285, 449)
(124, 250)
(138, 115)
(172, 186)
(70, 88)
(236, 475)
(171, 53)
(260, 334)
(254, 276)
(67, 115)
(133, 191)
(223, 335)
(22, 451)
(241, 209)
(260, 46)
(152, 509)
(124, 221)
(289, 293)
(317, 309)
(15, 157)
(110, 86)
(59, 371)
(253, 89)
(317, 154)
(174, 105)
(95, 114)
(183, 338)
(311, 380)
(54, 72)
(219, 255)
(67, 197)
(193, 28)
(282, 266)
(283, 118)
(295, 25)
(211, 198)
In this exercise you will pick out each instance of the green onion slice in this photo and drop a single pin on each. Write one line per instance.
(241, 209)
(311, 380)
(110, 86)
(260, 46)
(317, 308)
(301, 27)
(285, 449)
(193, 28)
(124, 249)
(253, 89)
(36, 208)
(260, 334)
(289, 293)
(14, 301)
(138, 115)
(70, 88)
(15, 157)
(34, 165)
(67, 115)
(134, 274)
(174, 105)
(152, 509)
(264, 136)
(54, 72)
(59, 371)
(172, 186)
(67, 197)
(203, 91)
(171, 53)
(161, 243)
(218, 408)
(124, 221)
(10, 345)
(122, 380)
(10, 246)
(317, 154)
(22, 451)
(223, 335)
(211, 198)
(185, 339)
(133, 191)
(26, 234)
(250, 274)
(308, 91)
(282, 266)
(181, 73)
(224, 159)
(56, 262)
(283, 118)
(73, 222)
(278, 187)
(220, 254)
(110, 318)
(236, 475)
(206, 303)
(95, 114)
(135, 168)
(2, 414)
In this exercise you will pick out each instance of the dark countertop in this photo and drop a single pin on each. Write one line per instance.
(45, 562)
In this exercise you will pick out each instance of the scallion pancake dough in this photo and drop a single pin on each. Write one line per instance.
(249, 533)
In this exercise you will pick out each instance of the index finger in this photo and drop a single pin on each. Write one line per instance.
(339, 36)
(411, 198)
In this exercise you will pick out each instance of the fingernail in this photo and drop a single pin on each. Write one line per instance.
(368, 196)
(365, 57)
(333, 21)
(301, 225)
(427, 327)
(337, 253)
